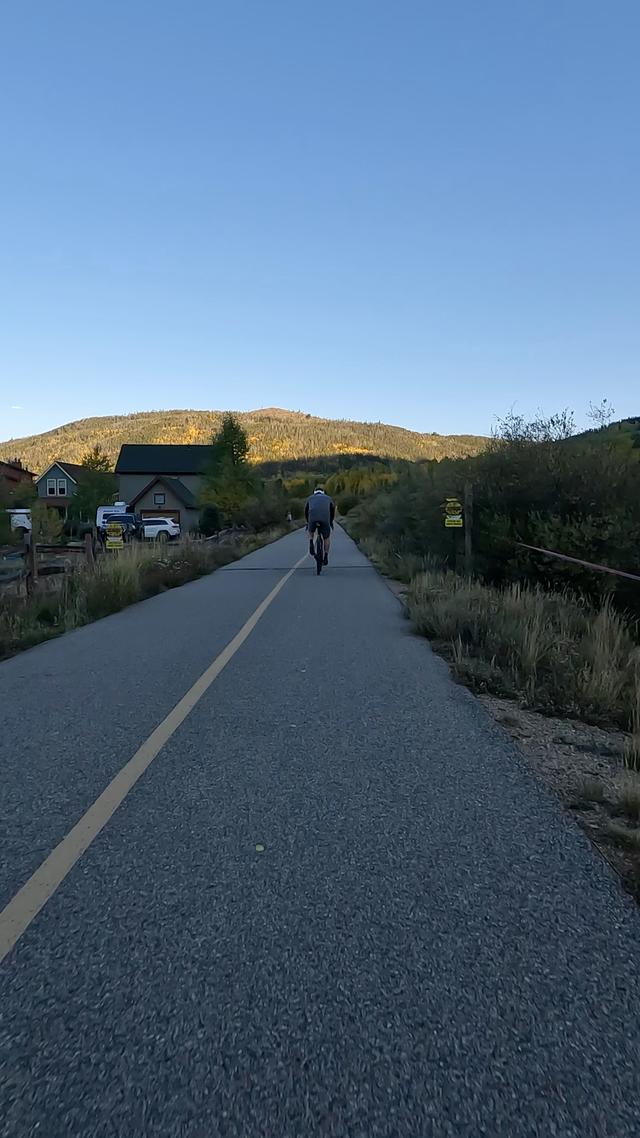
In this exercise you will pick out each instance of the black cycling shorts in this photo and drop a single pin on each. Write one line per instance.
(324, 527)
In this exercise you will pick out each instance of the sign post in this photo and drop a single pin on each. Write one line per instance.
(453, 513)
(115, 536)
(453, 520)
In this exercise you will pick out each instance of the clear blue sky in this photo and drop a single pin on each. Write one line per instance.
(421, 212)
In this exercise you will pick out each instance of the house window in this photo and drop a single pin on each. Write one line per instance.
(62, 487)
(51, 486)
(158, 499)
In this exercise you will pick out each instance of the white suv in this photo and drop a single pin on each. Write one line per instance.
(160, 529)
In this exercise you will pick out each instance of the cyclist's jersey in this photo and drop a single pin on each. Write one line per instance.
(319, 508)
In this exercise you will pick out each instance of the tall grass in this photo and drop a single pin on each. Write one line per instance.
(632, 750)
(555, 651)
(135, 573)
(395, 563)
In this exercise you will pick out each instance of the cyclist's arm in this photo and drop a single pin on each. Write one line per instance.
(333, 513)
(306, 511)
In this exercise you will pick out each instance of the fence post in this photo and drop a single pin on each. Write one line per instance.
(32, 564)
(468, 529)
(88, 549)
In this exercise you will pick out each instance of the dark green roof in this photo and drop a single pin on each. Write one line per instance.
(162, 458)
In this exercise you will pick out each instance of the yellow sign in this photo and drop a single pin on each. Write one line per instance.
(453, 513)
(115, 533)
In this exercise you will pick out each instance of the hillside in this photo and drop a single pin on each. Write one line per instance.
(623, 437)
(274, 435)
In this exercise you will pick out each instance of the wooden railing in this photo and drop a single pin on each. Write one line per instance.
(24, 567)
(578, 561)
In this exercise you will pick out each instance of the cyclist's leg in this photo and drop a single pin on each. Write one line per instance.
(326, 537)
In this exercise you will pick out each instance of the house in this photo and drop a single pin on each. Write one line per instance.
(58, 484)
(163, 480)
(14, 477)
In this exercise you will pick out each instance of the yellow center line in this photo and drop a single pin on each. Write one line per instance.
(16, 917)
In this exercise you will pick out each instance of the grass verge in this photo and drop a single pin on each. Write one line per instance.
(134, 574)
(554, 652)
(560, 673)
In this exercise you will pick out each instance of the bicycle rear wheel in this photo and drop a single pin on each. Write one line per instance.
(319, 553)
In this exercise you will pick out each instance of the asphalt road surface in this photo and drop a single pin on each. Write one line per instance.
(335, 904)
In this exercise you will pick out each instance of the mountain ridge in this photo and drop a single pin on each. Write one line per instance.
(274, 434)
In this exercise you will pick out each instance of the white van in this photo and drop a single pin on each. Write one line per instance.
(114, 508)
(20, 520)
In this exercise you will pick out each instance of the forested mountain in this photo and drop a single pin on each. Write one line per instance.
(274, 435)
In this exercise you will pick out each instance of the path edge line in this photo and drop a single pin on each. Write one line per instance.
(31, 898)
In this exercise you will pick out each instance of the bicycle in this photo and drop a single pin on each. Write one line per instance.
(318, 550)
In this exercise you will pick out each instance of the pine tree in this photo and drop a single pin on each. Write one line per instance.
(228, 481)
(96, 459)
(230, 444)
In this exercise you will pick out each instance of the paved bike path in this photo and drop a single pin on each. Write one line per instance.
(426, 946)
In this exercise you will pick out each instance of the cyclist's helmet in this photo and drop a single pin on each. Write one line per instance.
(319, 490)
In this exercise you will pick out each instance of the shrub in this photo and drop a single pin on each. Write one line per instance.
(346, 502)
(210, 521)
(535, 486)
(46, 521)
(47, 613)
(558, 652)
(7, 535)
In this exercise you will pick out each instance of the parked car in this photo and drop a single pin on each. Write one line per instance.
(131, 524)
(160, 529)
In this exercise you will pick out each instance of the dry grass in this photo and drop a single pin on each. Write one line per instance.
(587, 791)
(137, 572)
(632, 749)
(554, 651)
(629, 798)
(400, 566)
(622, 835)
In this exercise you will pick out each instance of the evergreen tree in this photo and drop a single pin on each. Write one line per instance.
(96, 459)
(228, 482)
(230, 445)
(97, 486)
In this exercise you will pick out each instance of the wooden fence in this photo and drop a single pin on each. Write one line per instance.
(22, 569)
(577, 561)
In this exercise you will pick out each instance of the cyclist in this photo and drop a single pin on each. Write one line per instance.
(320, 512)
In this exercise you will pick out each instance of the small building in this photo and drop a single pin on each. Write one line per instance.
(58, 485)
(14, 476)
(163, 480)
